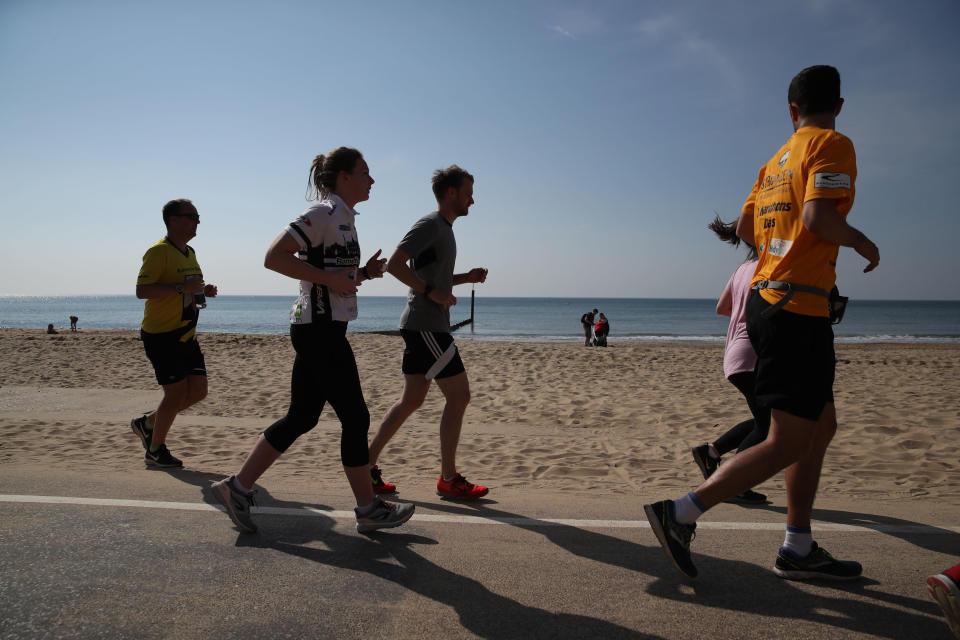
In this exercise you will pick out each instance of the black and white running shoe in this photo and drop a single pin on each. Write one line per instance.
(816, 564)
(139, 426)
(674, 537)
(161, 458)
(707, 463)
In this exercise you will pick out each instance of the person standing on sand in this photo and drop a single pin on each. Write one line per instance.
(431, 251)
(586, 321)
(796, 216)
(169, 280)
(321, 250)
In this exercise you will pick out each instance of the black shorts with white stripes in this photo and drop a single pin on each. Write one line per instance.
(431, 354)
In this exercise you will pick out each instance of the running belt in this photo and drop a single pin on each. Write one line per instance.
(790, 288)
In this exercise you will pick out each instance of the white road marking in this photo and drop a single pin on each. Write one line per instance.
(310, 512)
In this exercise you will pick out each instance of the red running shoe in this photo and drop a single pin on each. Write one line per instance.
(943, 588)
(379, 486)
(460, 488)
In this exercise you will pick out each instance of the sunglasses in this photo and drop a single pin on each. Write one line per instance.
(193, 216)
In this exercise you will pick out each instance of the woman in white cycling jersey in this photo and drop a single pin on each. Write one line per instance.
(320, 249)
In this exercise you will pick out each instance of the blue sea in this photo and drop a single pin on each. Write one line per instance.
(513, 319)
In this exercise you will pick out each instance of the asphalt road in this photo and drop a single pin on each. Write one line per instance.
(156, 562)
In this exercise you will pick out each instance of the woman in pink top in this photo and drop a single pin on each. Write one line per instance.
(739, 360)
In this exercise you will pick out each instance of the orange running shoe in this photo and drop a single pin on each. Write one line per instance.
(460, 488)
(379, 486)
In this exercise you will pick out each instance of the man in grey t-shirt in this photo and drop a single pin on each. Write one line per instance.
(424, 261)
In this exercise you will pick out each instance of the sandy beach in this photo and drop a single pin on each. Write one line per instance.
(585, 420)
(571, 440)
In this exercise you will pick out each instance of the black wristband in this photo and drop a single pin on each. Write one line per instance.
(426, 290)
(364, 272)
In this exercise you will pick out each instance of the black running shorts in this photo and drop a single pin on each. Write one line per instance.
(795, 359)
(173, 360)
(431, 354)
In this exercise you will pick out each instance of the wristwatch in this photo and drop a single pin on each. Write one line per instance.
(179, 288)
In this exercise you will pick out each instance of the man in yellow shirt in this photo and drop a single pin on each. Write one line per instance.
(172, 284)
(796, 217)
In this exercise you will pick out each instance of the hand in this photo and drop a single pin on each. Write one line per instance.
(341, 283)
(193, 285)
(443, 299)
(210, 290)
(376, 266)
(478, 274)
(868, 250)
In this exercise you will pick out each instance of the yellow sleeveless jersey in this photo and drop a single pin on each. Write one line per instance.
(814, 163)
(164, 263)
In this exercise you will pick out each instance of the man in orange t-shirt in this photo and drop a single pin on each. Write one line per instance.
(796, 217)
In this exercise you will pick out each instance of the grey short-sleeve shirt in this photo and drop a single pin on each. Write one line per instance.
(433, 251)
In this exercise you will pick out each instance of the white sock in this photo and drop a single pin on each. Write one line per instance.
(687, 509)
(798, 540)
(236, 485)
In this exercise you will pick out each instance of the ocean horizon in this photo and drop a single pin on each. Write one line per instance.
(687, 320)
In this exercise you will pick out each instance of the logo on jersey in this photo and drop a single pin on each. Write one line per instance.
(305, 220)
(777, 181)
(831, 180)
(779, 247)
(783, 158)
(776, 206)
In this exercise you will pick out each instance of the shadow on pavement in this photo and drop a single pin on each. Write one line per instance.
(390, 556)
(723, 584)
(744, 587)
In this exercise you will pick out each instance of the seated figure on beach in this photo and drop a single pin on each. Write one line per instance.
(796, 217)
(424, 261)
(601, 329)
(50, 329)
(739, 362)
(320, 249)
(169, 280)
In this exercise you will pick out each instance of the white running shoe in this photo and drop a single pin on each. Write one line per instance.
(385, 515)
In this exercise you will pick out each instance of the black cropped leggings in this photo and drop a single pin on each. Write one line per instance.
(749, 432)
(324, 371)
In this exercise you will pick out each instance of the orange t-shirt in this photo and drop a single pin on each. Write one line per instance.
(814, 163)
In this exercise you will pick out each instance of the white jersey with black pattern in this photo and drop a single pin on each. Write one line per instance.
(328, 240)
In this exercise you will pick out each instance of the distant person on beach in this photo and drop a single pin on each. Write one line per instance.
(424, 261)
(586, 320)
(600, 331)
(321, 250)
(170, 280)
(73, 323)
(796, 216)
(50, 328)
(945, 589)
(739, 361)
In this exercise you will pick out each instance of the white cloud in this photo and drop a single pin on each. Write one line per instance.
(561, 31)
(689, 48)
(656, 28)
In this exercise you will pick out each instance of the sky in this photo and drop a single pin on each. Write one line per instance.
(603, 135)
